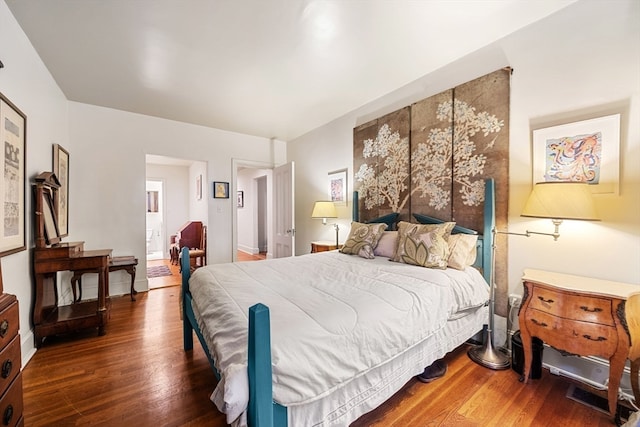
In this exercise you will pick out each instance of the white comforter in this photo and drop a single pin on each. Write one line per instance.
(333, 317)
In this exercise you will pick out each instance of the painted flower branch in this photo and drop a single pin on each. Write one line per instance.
(430, 168)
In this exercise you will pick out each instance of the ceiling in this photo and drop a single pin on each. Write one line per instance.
(269, 68)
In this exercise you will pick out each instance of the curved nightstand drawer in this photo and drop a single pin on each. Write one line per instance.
(576, 307)
(572, 336)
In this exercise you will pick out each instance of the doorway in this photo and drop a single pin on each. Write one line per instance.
(252, 213)
(155, 231)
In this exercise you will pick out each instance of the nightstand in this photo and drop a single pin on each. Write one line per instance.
(582, 316)
(323, 246)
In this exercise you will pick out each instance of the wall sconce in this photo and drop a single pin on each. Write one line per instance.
(556, 201)
(324, 210)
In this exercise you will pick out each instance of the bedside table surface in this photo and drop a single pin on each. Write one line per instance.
(324, 243)
(583, 284)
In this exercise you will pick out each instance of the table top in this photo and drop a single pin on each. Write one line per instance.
(598, 287)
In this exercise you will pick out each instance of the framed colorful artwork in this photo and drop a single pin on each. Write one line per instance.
(13, 127)
(584, 151)
(338, 187)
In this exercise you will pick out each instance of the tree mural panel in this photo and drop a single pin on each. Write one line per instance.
(381, 165)
(433, 157)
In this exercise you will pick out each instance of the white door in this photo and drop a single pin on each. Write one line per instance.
(283, 207)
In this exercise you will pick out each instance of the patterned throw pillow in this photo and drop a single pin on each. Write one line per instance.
(362, 239)
(463, 250)
(423, 244)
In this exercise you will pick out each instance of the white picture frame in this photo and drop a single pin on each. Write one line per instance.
(583, 151)
(338, 187)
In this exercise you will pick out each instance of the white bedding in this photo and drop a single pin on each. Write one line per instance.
(334, 317)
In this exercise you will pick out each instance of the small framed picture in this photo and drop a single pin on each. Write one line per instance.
(199, 187)
(220, 190)
(338, 186)
(240, 199)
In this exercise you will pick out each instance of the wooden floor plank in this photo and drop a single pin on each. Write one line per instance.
(138, 375)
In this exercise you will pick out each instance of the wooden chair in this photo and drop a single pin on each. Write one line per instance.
(198, 256)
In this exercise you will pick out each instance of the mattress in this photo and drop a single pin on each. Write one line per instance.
(346, 332)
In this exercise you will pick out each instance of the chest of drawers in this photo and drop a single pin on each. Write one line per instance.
(580, 316)
(10, 362)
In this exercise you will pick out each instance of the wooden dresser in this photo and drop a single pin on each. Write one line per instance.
(584, 317)
(10, 362)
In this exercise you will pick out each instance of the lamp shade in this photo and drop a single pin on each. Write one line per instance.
(324, 209)
(561, 200)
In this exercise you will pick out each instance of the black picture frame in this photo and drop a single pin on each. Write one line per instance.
(220, 190)
(240, 199)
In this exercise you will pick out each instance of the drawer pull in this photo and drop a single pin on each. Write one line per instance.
(537, 322)
(590, 310)
(7, 366)
(594, 339)
(548, 301)
(8, 415)
(4, 328)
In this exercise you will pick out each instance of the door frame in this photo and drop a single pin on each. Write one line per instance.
(235, 164)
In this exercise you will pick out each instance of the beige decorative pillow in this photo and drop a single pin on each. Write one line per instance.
(462, 248)
(426, 250)
(406, 229)
(387, 244)
(362, 239)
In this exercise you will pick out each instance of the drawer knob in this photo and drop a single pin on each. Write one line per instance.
(8, 415)
(537, 322)
(4, 328)
(548, 301)
(594, 339)
(7, 366)
(590, 310)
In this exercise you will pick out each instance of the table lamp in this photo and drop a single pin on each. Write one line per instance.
(324, 210)
(556, 201)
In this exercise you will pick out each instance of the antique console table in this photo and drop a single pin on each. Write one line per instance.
(584, 317)
(48, 317)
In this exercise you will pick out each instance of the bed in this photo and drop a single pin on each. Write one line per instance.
(304, 340)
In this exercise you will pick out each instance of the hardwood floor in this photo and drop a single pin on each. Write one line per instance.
(139, 375)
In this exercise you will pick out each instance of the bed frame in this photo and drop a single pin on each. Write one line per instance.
(262, 410)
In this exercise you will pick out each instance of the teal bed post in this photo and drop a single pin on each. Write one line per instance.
(187, 330)
(260, 411)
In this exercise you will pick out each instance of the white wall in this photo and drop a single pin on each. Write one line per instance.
(112, 152)
(26, 82)
(562, 73)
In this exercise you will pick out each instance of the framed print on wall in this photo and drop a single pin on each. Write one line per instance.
(13, 125)
(199, 187)
(220, 190)
(240, 199)
(61, 169)
(585, 151)
(338, 186)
